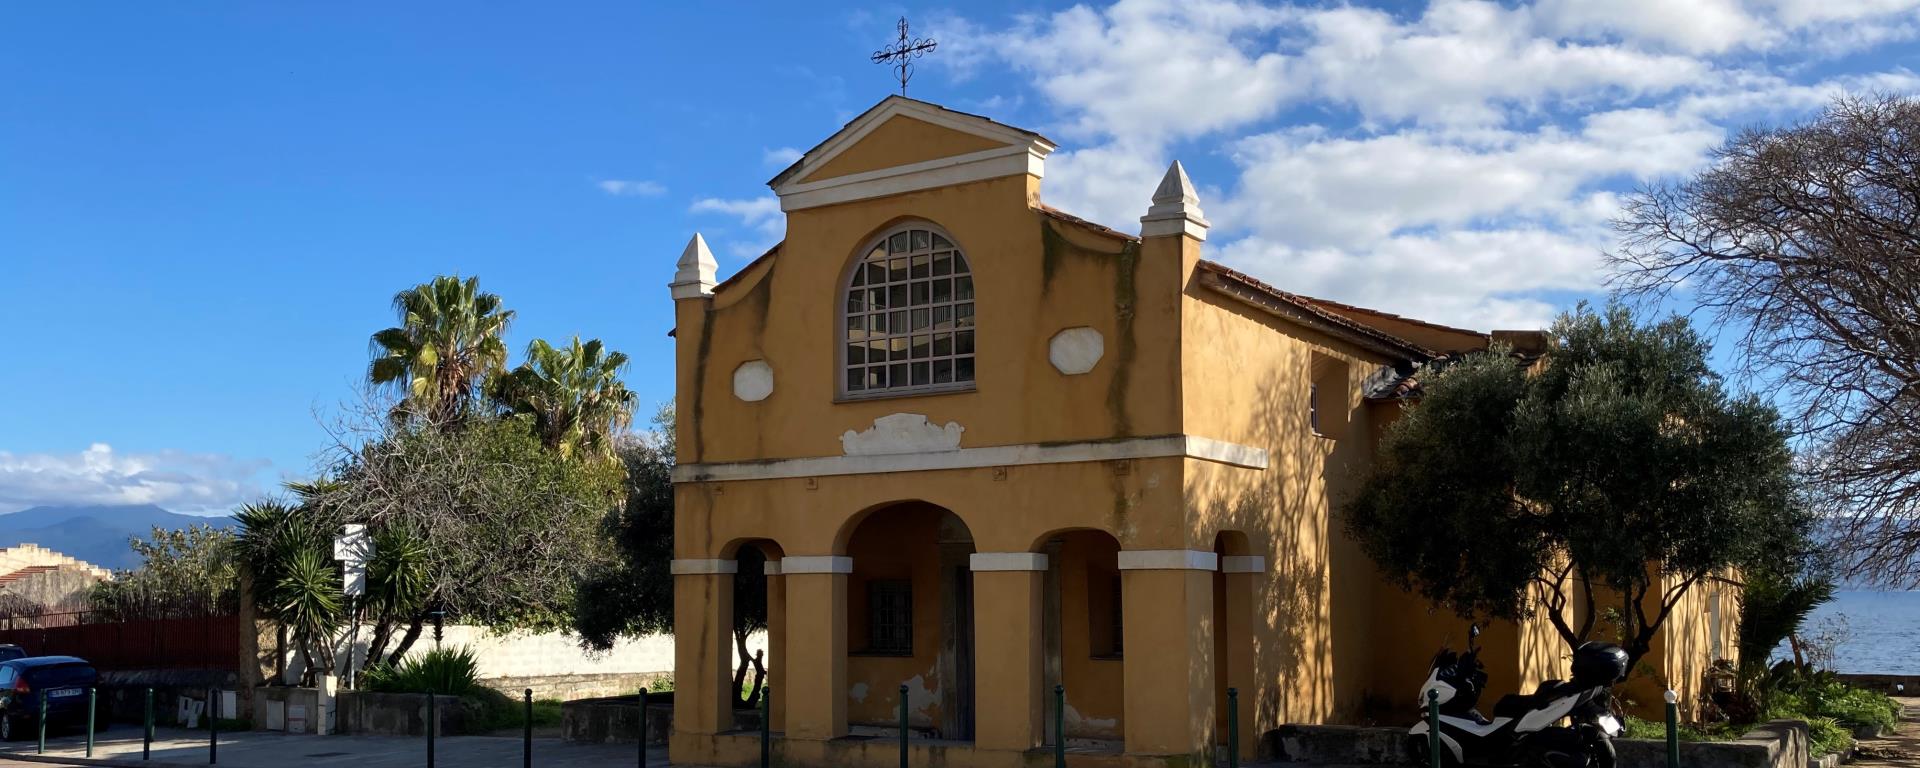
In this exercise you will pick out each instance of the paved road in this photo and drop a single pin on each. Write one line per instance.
(261, 749)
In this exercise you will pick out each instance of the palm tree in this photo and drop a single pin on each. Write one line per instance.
(447, 344)
(573, 393)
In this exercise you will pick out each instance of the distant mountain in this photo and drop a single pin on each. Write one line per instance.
(96, 534)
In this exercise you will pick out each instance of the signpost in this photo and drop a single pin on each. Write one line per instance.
(352, 549)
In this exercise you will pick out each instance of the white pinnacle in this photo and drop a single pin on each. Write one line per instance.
(1176, 207)
(697, 270)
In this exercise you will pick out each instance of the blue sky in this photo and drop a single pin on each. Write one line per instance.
(205, 209)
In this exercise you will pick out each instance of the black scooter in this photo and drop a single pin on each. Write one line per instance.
(1525, 730)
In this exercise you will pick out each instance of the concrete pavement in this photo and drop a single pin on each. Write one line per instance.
(120, 746)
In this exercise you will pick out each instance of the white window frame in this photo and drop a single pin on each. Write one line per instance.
(843, 296)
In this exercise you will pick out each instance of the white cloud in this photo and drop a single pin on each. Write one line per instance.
(179, 481)
(781, 157)
(1457, 161)
(760, 216)
(631, 187)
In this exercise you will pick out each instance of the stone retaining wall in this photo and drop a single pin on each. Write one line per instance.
(363, 713)
(1778, 744)
(1887, 684)
(576, 686)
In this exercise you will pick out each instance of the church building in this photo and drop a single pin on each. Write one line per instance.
(989, 451)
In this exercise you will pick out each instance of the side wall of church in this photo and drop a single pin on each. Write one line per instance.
(1247, 379)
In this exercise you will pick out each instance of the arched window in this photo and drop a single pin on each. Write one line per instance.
(909, 316)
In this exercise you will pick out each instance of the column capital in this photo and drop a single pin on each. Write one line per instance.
(1168, 560)
(1007, 561)
(704, 567)
(796, 564)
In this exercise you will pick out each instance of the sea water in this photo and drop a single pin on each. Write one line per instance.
(1879, 631)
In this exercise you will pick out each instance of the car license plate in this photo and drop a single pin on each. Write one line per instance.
(64, 692)
(1610, 724)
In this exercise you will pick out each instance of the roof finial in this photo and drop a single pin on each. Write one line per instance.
(697, 269)
(1176, 207)
(902, 53)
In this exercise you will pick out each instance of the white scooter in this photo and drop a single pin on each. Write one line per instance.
(1525, 730)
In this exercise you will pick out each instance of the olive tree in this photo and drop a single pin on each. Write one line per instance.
(1619, 461)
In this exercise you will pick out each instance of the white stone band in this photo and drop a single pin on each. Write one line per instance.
(704, 567)
(1007, 561)
(1243, 564)
(1165, 446)
(815, 564)
(770, 568)
(1168, 560)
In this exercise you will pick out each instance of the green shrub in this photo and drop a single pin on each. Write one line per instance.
(447, 671)
(1828, 736)
(1637, 728)
(1853, 706)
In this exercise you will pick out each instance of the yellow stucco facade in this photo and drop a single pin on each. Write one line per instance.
(1131, 499)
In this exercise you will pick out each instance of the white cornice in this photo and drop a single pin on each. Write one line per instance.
(1189, 446)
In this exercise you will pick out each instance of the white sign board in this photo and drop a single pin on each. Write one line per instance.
(352, 550)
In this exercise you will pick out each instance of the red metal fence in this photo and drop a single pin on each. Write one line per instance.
(204, 642)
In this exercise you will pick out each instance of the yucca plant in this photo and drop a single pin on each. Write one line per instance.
(307, 600)
(445, 671)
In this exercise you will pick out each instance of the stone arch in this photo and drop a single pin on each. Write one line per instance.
(909, 618)
(1084, 633)
(1235, 583)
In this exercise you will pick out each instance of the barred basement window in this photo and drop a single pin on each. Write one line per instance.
(890, 616)
(909, 317)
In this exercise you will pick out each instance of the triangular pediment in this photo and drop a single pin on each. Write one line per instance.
(901, 145)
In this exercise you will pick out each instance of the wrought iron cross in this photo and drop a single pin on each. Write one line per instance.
(902, 53)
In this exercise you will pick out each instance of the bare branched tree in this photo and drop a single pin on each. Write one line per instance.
(1805, 240)
(505, 528)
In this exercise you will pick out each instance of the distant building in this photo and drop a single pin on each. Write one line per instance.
(35, 580)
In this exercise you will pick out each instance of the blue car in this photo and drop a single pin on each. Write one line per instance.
(62, 680)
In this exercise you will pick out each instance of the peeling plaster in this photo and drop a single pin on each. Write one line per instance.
(858, 692)
(1079, 723)
(919, 697)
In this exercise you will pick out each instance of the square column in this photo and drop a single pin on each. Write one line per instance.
(1167, 599)
(815, 695)
(1007, 635)
(703, 647)
(776, 642)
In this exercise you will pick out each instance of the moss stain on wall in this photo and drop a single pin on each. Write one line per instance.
(1126, 263)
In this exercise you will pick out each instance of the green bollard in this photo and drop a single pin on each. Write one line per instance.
(1233, 728)
(433, 719)
(1433, 726)
(643, 728)
(1059, 726)
(93, 704)
(903, 726)
(146, 740)
(213, 727)
(1673, 729)
(43, 723)
(526, 746)
(766, 727)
